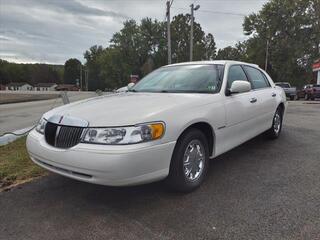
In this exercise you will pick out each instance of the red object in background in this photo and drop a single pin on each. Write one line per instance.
(134, 78)
(316, 65)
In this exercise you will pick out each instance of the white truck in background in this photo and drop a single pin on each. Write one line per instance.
(291, 92)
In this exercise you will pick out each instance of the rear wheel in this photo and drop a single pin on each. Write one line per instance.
(291, 98)
(276, 127)
(190, 161)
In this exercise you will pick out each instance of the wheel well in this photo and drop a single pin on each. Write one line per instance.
(281, 106)
(207, 130)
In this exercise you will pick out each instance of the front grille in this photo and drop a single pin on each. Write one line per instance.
(62, 136)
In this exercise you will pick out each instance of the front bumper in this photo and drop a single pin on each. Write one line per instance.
(106, 165)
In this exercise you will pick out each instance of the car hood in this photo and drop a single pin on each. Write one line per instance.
(128, 108)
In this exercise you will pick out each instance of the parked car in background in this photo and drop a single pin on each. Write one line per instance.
(291, 92)
(309, 91)
(166, 126)
(125, 88)
(301, 93)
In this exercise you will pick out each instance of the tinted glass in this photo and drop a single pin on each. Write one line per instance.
(257, 78)
(184, 79)
(235, 73)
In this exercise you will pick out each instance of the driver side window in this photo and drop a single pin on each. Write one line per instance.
(235, 73)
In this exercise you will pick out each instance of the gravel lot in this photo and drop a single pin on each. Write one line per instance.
(261, 190)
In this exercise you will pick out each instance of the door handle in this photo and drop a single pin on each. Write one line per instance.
(274, 94)
(253, 100)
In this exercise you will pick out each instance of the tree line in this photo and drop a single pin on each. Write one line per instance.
(31, 73)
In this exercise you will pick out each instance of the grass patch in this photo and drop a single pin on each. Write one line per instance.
(15, 164)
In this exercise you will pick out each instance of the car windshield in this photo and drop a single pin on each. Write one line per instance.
(182, 79)
(283, 85)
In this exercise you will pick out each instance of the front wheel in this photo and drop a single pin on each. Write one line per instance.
(190, 161)
(276, 127)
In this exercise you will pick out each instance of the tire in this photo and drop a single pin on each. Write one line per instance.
(275, 130)
(291, 98)
(178, 178)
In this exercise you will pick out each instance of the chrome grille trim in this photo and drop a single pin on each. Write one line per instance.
(62, 136)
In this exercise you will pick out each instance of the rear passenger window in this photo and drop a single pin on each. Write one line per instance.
(235, 73)
(257, 78)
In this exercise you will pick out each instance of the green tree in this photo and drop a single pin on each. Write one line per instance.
(237, 53)
(204, 45)
(292, 29)
(71, 71)
(139, 48)
(30, 73)
(94, 67)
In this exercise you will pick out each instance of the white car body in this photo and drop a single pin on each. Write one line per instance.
(233, 120)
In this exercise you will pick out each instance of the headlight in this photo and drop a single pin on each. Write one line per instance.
(41, 125)
(124, 135)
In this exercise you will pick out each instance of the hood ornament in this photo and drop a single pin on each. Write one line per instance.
(68, 121)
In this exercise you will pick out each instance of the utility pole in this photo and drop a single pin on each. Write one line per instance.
(86, 72)
(267, 56)
(81, 76)
(168, 31)
(191, 30)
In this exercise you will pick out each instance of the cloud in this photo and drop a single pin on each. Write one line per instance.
(53, 31)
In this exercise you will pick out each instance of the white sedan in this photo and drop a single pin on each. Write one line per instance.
(167, 126)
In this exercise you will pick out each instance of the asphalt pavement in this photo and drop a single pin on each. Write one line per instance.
(263, 189)
(15, 116)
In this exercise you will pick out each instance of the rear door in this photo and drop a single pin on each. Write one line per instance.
(265, 95)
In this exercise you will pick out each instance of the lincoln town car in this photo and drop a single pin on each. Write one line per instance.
(166, 127)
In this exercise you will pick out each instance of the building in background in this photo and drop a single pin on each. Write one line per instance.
(67, 87)
(316, 71)
(45, 87)
(19, 86)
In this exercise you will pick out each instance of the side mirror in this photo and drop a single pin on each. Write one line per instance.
(239, 86)
(130, 85)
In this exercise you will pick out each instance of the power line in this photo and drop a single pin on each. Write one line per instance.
(216, 12)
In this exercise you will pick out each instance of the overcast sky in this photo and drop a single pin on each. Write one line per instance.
(52, 31)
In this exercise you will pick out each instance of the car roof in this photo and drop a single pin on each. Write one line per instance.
(223, 62)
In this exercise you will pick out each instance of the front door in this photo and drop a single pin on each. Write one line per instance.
(240, 112)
